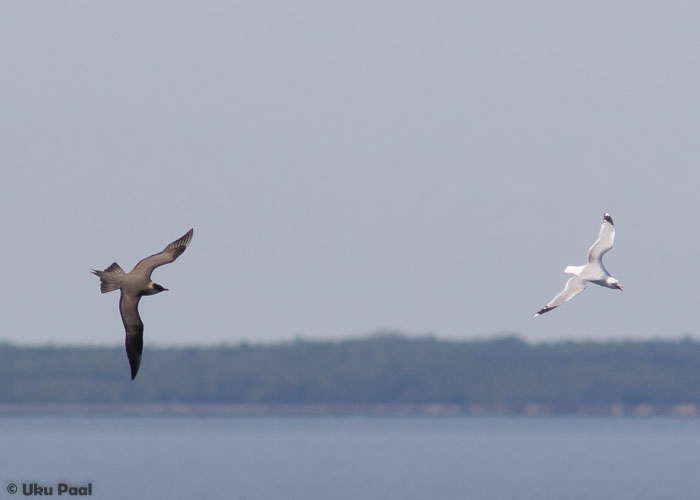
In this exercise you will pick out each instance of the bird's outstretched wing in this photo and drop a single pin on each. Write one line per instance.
(574, 286)
(129, 309)
(169, 254)
(604, 241)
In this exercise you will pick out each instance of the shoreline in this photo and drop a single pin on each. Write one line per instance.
(681, 410)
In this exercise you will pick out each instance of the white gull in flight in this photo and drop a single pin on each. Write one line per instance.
(594, 271)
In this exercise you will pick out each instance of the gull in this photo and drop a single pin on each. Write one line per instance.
(133, 286)
(593, 272)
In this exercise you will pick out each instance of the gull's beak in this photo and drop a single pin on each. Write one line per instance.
(620, 287)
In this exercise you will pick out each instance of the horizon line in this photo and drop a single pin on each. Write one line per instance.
(499, 336)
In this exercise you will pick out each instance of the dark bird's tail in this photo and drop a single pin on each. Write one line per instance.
(110, 278)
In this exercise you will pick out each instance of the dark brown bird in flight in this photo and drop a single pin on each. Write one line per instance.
(133, 286)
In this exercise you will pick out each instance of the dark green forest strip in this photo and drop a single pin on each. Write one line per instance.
(389, 374)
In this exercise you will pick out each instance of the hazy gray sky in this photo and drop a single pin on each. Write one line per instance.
(348, 167)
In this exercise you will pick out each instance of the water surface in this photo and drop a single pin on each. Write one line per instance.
(343, 458)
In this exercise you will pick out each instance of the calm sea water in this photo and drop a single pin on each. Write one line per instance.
(357, 458)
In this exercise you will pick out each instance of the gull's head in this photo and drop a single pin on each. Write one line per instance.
(613, 283)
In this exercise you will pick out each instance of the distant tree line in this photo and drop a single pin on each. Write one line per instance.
(375, 370)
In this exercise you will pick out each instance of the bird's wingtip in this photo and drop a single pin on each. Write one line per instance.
(187, 237)
(607, 218)
(543, 310)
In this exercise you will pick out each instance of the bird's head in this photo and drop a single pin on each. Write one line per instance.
(613, 283)
(158, 288)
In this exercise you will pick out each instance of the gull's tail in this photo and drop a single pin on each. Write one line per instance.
(110, 278)
(574, 270)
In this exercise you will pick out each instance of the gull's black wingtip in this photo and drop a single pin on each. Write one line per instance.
(607, 218)
(543, 310)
